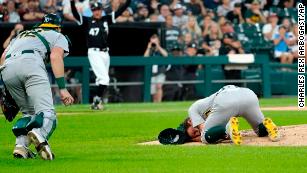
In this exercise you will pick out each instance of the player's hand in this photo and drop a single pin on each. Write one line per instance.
(66, 98)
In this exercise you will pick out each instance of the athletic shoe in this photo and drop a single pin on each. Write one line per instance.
(232, 129)
(272, 129)
(41, 145)
(22, 152)
(97, 103)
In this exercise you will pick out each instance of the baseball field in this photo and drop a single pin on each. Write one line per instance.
(107, 141)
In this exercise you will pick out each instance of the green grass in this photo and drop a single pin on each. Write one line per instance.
(91, 141)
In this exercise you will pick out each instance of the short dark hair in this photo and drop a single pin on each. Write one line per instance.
(184, 126)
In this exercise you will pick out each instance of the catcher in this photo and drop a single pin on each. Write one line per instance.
(25, 78)
(214, 118)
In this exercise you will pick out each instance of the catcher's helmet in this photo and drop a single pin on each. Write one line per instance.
(51, 21)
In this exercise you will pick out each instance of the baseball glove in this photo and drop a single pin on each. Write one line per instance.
(171, 136)
(8, 105)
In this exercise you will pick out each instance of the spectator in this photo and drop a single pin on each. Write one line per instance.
(154, 6)
(286, 22)
(230, 45)
(12, 13)
(54, 6)
(196, 8)
(127, 16)
(141, 13)
(193, 28)
(172, 33)
(152, 18)
(154, 49)
(206, 23)
(17, 29)
(293, 37)
(221, 20)
(224, 8)
(227, 28)
(190, 72)
(282, 42)
(270, 28)
(179, 17)
(254, 14)
(173, 92)
(164, 11)
(211, 13)
(236, 16)
(212, 41)
(187, 39)
(33, 12)
(4, 14)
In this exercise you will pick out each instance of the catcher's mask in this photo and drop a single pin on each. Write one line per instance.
(172, 136)
(51, 21)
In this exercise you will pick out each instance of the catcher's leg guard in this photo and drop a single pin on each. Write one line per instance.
(213, 134)
(27, 123)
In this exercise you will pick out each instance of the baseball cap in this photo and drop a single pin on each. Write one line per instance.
(178, 6)
(237, 4)
(96, 6)
(141, 5)
(255, 2)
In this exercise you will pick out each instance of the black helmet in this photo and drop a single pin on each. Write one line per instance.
(51, 21)
(96, 6)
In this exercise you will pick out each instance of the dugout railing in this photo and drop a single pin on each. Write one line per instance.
(206, 61)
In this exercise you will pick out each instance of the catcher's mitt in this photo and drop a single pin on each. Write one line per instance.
(8, 105)
(171, 136)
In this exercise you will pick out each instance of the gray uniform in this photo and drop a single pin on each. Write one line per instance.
(229, 101)
(26, 79)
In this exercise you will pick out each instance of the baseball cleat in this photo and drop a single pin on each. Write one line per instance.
(41, 145)
(272, 129)
(232, 129)
(22, 152)
(97, 104)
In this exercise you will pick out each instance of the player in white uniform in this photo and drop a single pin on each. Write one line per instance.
(214, 117)
(97, 28)
(25, 76)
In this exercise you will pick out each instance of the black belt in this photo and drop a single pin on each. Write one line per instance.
(22, 52)
(99, 49)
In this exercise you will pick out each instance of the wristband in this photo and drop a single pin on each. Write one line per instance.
(61, 82)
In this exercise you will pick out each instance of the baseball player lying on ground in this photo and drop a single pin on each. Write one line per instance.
(214, 118)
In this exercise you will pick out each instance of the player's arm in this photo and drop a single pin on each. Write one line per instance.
(57, 65)
(78, 17)
(122, 8)
(2, 58)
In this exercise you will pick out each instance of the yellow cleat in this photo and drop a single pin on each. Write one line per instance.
(272, 129)
(232, 129)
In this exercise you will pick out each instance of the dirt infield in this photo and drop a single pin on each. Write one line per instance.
(290, 136)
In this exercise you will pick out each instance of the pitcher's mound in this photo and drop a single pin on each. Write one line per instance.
(290, 136)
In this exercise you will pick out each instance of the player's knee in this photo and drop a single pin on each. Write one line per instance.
(27, 123)
(213, 135)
